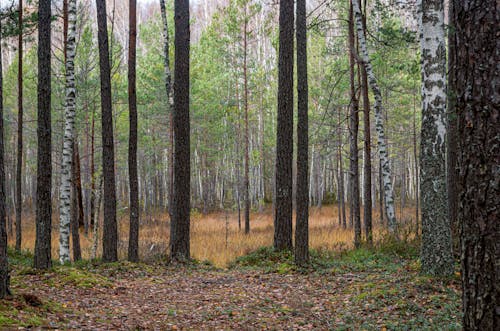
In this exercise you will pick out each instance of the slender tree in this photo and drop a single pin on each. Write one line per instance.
(353, 137)
(179, 226)
(133, 243)
(110, 231)
(436, 254)
(302, 195)
(246, 183)
(284, 134)
(4, 262)
(170, 102)
(379, 122)
(68, 140)
(19, 165)
(477, 105)
(367, 165)
(44, 160)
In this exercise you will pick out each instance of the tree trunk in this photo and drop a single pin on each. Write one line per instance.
(133, 242)
(43, 240)
(246, 183)
(67, 165)
(179, 226)
(477, 105)
(284, 139)
(19, 166)
(4, 262)
(367, 178)
(110, 233)
(302, 195)
(170, 101)
(379, 122)
(436, 254)
(353, 138)
(75, 234)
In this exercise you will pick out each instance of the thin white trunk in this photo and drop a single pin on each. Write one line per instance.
(66, 164)
(379, 121)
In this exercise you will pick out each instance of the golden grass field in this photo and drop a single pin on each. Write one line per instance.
(209, 233)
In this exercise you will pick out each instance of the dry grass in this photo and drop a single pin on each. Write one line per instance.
(211, 239)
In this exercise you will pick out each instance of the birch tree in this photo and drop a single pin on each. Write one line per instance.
(379, 122)
(69, 128)
(436, 255)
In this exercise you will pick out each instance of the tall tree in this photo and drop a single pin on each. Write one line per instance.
(44, 135)
(436, 254)
(302, 195)
(110, 231)
(19, 165)
(353, 137)
(246, 183)
(477, 105)
(4, 262)
(133, 243)
(284, 134)
(179, 226)
(367, 164)
(170, 102)
(379, 122)
(68, 140)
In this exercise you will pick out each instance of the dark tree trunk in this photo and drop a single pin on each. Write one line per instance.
(19, 165)
(44, 160)
(353, 137)
(110, 234)
(452, 141)
(77, 183)
(302, 195)
(477, 105)
(179, 226)
(367, 183)
(4, 262)
(284, 140)
(342, 217)
(133, 243)
(75, 234)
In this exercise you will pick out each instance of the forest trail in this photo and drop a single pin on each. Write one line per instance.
(373, 294)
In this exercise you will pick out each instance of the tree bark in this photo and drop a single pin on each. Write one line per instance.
(477, 105)
(179, 226)
(43, 239)
(133, 242)
(302, 195)
(436, 253)
(353, 138)
(19, 165)
(379, 123)
(284, 139)
(246, 183)
(67, 164)
(4, 261)
(110, 232)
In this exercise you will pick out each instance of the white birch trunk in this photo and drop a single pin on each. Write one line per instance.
(436, 255)
(379, 121)
(69, 127)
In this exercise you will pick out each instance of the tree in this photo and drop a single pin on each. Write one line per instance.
(44, 132)
(284, 133)
(246, 182)
(4, 262)
(477, 106)
(110, 231)
(302, 195)
(353, 137)
(379, 122)
(133, 244)
(179, 225)
(68, 140)
(436, 254)
(19, 165)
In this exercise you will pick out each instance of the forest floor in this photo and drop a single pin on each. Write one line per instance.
(369, 289)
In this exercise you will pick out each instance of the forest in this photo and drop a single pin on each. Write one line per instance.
(249, 164)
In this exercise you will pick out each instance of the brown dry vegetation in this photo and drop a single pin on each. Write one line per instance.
(208, 234)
